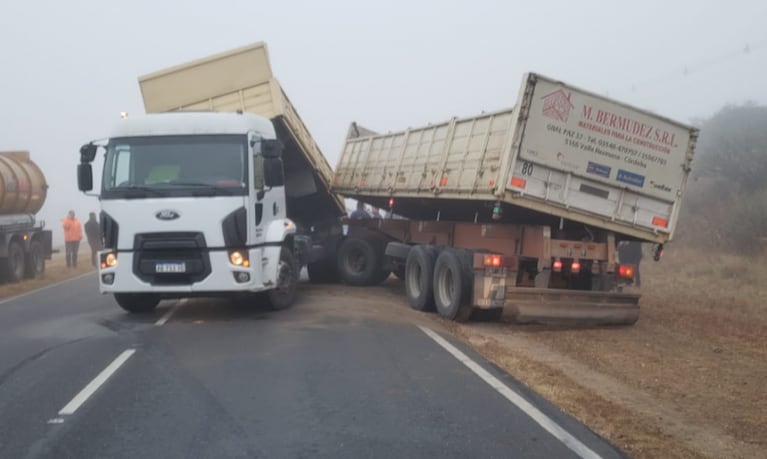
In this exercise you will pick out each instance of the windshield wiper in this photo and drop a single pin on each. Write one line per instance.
(139, 191)
(209, 188)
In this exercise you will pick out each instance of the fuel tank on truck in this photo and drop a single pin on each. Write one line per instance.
(22, 184)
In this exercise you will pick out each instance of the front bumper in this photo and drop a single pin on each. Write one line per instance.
(262, 275)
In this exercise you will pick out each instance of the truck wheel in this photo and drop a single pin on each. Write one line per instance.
(14, 266)
(419, 271)
(283, 295)
(451, 287)
(359, 262)
(137, 303)
(35, 263)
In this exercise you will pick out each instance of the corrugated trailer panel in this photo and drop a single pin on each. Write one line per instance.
(562, 152)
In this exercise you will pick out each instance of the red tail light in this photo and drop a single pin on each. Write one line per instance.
(626, 271)
(493, 261)
(391, 203)
(575, 268)
(557, 266)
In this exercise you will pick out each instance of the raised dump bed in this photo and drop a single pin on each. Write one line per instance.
(241, 80)
(561, 156)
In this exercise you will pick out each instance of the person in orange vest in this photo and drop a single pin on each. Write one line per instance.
(73, 234)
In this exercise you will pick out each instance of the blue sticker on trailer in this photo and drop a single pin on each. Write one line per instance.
(630, 178)
(598, 169)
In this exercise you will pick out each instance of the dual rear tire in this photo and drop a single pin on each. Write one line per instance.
(439, 281)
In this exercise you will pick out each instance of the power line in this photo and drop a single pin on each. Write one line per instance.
(697, 67)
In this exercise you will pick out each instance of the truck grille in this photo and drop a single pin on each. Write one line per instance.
(153, 249)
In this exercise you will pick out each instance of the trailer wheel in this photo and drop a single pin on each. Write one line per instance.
(35, 263)
(419, 270)
(283, 295)
(137, 303)
(359, 262)
(14, 265)
(451, 287)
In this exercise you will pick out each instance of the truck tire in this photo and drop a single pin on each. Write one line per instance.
(359, 262)
(14, 265)
(35, 263)
(451, 287)
(419, 271)
(137, 303)
(284, 294)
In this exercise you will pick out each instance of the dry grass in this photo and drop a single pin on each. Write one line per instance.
(687, 380)
(55, 271)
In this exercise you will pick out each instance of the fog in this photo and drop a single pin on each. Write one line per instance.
(67, 69)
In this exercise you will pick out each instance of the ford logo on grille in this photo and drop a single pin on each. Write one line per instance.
(167, 214)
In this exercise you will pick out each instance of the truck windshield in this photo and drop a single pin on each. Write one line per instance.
(171, 166)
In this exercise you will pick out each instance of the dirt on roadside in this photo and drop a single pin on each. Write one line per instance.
(55, 271)
(686, 381)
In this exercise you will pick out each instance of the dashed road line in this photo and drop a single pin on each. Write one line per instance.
(94, 385)
(162, 320)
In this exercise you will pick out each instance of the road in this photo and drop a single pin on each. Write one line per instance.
(344, 373)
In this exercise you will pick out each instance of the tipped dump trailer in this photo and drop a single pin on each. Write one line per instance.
(520, 209)
(25, 244)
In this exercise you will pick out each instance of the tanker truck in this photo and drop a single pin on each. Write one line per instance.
(517, 212)
(218, 191)
(25, 244)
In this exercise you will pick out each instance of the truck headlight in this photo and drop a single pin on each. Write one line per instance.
(108, 260)
(239, 258)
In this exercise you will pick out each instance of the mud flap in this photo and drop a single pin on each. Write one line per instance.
(570, 307)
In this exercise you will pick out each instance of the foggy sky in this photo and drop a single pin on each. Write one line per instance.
(67, 69)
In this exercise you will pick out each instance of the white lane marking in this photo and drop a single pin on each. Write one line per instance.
(535, 414)
(56, 284)
(94, 385)
(56, 421)
(166, 317)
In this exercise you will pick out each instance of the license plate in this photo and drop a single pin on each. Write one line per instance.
(170, 267)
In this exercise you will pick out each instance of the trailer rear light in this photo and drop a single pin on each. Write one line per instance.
(557, 266)
(108, 260)
(239, 258)
(575, 268)
(517, 182)
(493, 261)
(658, 221)
(626, 271)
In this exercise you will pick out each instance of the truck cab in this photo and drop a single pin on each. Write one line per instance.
(193, 204)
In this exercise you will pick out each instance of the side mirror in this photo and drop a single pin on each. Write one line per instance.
(88, 152)
(271, 148)
(273, 173)
(84, 177)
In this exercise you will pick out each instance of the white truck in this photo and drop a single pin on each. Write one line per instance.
(226, 202)
(518, 211)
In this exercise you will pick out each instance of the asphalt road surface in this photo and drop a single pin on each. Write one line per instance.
(344, 373)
